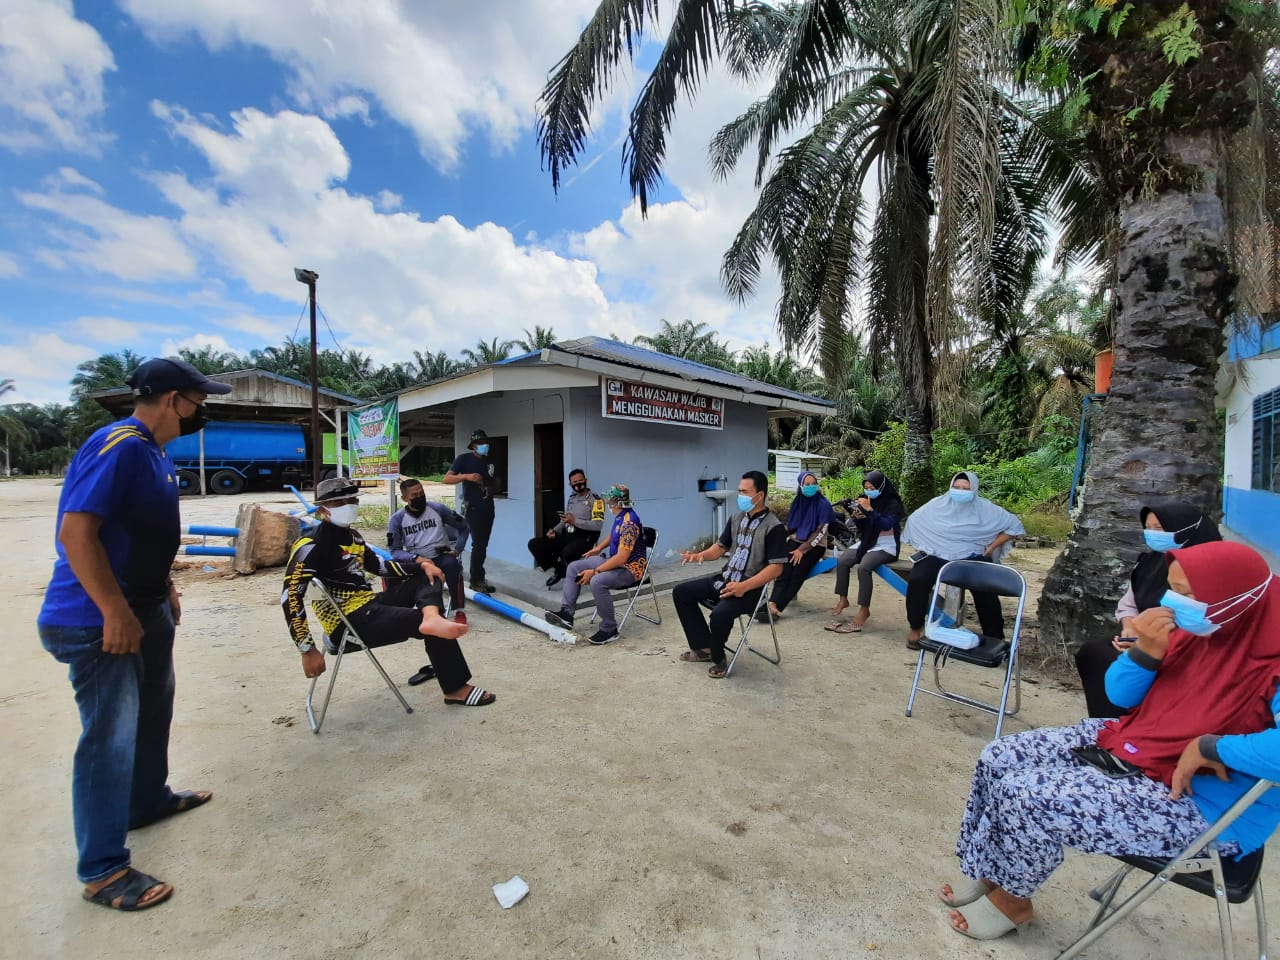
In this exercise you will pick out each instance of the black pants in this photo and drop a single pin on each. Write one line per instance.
(561, 550)
(416, 591)
(480, 518)
(381, 623)
(794, 575)
(698, 633)
(924, 575)
(1092, 661)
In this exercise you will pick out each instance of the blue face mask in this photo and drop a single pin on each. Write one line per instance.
(745, 503)
(960, 495)
(1160, 541)
(1190, 615)
(872, 493)
(809, 489)
(482, 448)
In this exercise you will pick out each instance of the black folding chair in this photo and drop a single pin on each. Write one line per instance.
(981, 576)
(349, 636)
(1198, 867)
(634, 591)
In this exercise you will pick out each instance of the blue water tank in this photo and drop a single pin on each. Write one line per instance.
(243, 441)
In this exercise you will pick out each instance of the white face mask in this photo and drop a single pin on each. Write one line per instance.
(345, 515)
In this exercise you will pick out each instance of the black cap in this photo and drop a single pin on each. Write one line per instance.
(169, 373)
(478, 435)
(336, 488)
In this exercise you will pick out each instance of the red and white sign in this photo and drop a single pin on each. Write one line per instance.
(629, 400)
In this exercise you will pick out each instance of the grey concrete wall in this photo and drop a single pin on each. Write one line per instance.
(660, 463)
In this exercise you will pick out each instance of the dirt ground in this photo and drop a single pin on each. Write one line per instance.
(654, 813)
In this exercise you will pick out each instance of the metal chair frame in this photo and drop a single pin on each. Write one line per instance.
(743, 641)
(634, 591)
(1186, 869)
(317, 719)
(989, 578)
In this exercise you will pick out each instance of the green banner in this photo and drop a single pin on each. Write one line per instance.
(373, 440)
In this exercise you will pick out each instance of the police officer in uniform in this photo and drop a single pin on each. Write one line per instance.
(574, 535)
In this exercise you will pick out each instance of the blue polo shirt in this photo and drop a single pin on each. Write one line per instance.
(123, 476)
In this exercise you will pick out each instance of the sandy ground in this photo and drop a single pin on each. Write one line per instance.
(788, 812)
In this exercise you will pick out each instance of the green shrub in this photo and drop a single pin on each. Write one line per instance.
(374, 515)
(1051, 524)
(845, 486)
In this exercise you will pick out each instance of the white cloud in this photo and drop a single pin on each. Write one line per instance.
(40, 365)
(198, 341)
(69, 178)
(106, 329)
(106, 239)
(9, 267)
(440, 67)
(51, 68)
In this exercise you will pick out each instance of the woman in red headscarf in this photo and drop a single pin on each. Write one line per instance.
(1203, 683)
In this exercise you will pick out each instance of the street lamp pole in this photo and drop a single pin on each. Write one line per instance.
(309, 277)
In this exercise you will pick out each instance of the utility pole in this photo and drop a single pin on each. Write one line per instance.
(309, 277)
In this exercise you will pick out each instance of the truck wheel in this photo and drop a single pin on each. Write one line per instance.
(188, 483)
(328, 473)
(226, 481)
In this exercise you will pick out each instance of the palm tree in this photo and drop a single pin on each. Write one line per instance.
(492, 351)
(1171, 142)
(432, 366)
(209, 360)
(689, 341)
(539, 339)
(7, 385)
(108, 370)
(910, 94)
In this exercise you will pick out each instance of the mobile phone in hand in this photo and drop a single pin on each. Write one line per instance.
(917, 556)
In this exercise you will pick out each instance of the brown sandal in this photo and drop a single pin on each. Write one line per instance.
(693, 656)
(848, 627)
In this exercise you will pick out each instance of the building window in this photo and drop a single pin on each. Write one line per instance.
(1266, 441)
(498, 457)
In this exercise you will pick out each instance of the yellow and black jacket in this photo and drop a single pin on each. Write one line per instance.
(340, 558)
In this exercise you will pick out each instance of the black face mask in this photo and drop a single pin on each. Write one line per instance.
(194, 423)
(578, 487)
(417, 505)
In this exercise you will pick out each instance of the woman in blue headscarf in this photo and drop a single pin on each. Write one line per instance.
(959, 525)
(807, 521)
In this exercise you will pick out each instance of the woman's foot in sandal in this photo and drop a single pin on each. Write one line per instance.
(913, 639)
(986, 918)
(470, 696)
(861, 617)
(719, 670)
(128, 890)
(963, 892)
(696, 656)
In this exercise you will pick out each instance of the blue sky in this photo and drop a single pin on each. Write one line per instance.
(164, 166)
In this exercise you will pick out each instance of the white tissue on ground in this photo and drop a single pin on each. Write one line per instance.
(511, 892)
(960, 637)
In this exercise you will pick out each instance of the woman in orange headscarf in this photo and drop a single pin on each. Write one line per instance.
(1202, 680)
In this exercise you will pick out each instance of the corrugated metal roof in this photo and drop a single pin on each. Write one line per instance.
(599, 348)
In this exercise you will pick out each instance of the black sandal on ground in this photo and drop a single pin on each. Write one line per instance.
(478, 697)
(128, 889)
(181, 803)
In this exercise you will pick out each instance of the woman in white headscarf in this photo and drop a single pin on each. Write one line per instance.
(959, 525)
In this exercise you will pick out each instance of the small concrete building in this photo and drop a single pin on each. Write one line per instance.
(668, 428)
(1251, 474)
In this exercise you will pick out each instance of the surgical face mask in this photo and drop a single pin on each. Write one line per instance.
(194, 423)
(745, 503)
(578, 486)
(960, 495)
(482, 448)
(871, 494)
(809, 489)
(1193, 615)
(1160, 541)
(345, 515)
(417, 505)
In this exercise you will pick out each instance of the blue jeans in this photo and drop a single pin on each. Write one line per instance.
(121, 764)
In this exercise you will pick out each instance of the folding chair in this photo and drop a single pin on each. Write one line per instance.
(1198, 867)
(634, 591)
(985, 577)
(744, 643)
(348, 633)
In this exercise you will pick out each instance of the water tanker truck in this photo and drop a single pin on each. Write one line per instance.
(241, 456)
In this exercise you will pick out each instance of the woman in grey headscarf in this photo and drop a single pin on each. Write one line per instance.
(959, 525)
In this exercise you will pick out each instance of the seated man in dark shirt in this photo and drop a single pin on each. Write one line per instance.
(756, 542)
(339, 557)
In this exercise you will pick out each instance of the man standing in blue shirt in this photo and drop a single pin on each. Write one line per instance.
(109, 614)
(475, 472)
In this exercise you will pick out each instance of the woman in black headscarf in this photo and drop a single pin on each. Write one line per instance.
(1165, 526)
(877, 518)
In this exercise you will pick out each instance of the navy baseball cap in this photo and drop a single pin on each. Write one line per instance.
(169, 373)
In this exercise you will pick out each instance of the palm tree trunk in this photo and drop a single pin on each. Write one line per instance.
(915, 368)
(1158, 435)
